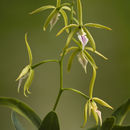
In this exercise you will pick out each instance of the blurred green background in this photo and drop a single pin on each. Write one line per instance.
(113, 76)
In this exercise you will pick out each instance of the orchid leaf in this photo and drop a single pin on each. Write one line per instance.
(96, 52)
(21, 109)
(121, 112)
(28, 82)
(91, 40)
(71, 59)
(42, 9)
(101, 102)
(49, 19)
(90, 59)
(108, 124)
(121, 128)
(17, 124)
(66, 27)
(71, 36)
(97, 26)
(29, 50)
(50, 122)
(65, 18)
(79, 7)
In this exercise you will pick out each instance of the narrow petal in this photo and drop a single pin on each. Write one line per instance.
(83, 61)
(54, 20)
(99, 115)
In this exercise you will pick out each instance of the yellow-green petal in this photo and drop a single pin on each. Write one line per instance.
(97, 26)
(85, 114)
(42, 9)
(66, 27)
(24, 72)
(29, 50)
(96, 52)
(91, 40)
(101, 102)
(28, 82)
(95, 115)
(49, 19)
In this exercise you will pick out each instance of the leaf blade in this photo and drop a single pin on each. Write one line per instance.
(22, 109)
(17, 124)
(50, 122)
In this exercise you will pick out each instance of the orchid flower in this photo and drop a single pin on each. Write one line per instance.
(54, 15)
(80, 27)
(91, 106)
(27, 72)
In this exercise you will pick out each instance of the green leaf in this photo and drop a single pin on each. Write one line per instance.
(71, 36)
(71, 59)
(65, 17)
(29, 50)
(22, 109)
(90, 59)
(91, 40)
(42, 9)
(97, 26)
(50, 122)
(79, 8)
(101, 102)
(49, 19)
(17, 124)
(28, 82)
(108, 124)
(66, 27)
(121, 128)
(96, 52)
(121, 112)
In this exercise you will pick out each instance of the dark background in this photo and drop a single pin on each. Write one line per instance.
(112, 83)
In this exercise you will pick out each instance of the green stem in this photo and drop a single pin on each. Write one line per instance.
(43, 62)
(78, 92)
(61, 80)
(57, 100)
(92, 83)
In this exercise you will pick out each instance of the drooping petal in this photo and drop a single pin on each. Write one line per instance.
(54, 20)
(99, 115)
(83, 61)
(20, 81)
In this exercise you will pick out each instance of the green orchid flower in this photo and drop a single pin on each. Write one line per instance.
(27, 72)
(91, 107)
(54, 15)
(81, 29)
